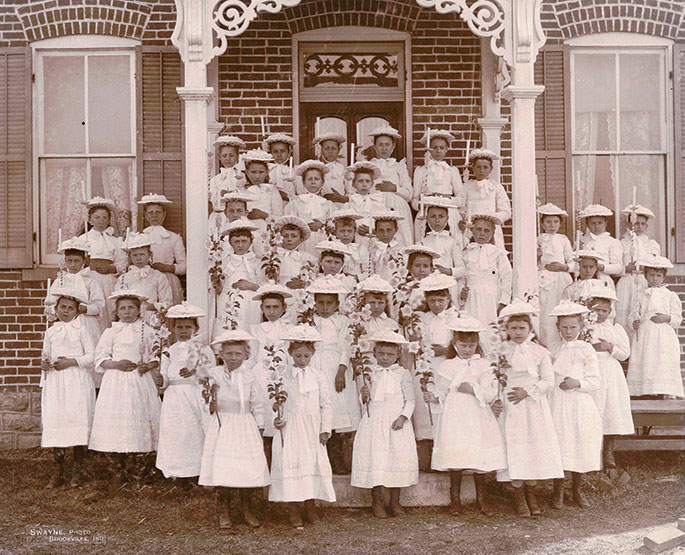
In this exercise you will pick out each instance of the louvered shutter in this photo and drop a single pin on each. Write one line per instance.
(160, 130)
(16, 245)
(679, 120)
(552, 139)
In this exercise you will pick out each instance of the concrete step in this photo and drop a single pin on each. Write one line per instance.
(433, 490)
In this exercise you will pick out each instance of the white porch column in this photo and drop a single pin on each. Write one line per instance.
(522, 100)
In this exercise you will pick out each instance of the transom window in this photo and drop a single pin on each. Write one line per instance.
(85, 137)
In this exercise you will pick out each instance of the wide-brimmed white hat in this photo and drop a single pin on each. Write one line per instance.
(466, 323)
(185, 310)
(293, 220)
(550, 209)
(327, 285)
(337, 137)
(257, 155)
(230, 336)
(69, 293)
(154, 198)
(302, 333)
(346, 213)
(656, 262)
(385, 130)
(277, 138)
(99, 202)
(229, 140)
(311, 165)
(438, 133)
(437, 282)
(387, 216)
(385, 335)
(477, 153)
(240, 224)
(518, 308)
(271, 289)
(355, 168)
(588, 253)
(638, 210)
(235, 196)
(568, 308)
(127, 294)
(333, 246)
(435, 200)
(375, 284)
(602, 292)
(76, 244)
(486, 216)
(136, 240)
(595, 210)
(420, 249)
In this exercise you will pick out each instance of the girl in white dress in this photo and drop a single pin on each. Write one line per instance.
(300, 469)
(233, 455)
(597, 238)
(632, 284)
(168, 252)
(488, 271)
(294, 262)
(332, 358)
(345, 231)
(362, 200)
(106, 258)
(385, 247)
(265, 199)
(272, 301)
(589, 278)
(68, 393)
(230, 177)
(332, 261)
(394, 183)
(280, 147)
(437, 179)
(235, 208)
(335, 188)
(435, 335)
(79, 279)
(127, 410)
(467, 436)
(532, 446)
(613, 399)
(181, 433)
(654, 367)
(242, 270)
(376, 292)
(384, 447)
(310, 205)
(483, 195)
(576, 418)
(150, 283)
(556, 259)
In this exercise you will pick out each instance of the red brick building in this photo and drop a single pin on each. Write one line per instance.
(609, 119)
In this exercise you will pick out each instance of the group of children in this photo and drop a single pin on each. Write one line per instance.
(347, 337)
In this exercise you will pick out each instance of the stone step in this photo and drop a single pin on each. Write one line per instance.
(433, 490)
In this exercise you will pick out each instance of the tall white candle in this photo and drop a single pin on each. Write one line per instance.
(428, 138)
(290, 162)
(634, 196)
(352, 156)
(263, 127)
(128, 232)
(83, 190)
(317, 127)
(468, 151)
(59, 237)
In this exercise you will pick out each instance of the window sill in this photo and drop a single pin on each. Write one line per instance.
(39, 274)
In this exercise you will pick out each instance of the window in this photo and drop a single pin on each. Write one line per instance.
(85, 140)
(619, 130)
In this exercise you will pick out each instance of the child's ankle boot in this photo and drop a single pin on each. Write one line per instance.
(455, 493)
(577, 482)
(520, 502)
(248, 515)
(294, 515)
(395, 508)
(377, 504)
(557, 501)
(310, 514)
(532, 501)
(479, 481)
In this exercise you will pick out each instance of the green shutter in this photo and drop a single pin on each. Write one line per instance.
(160, 130)
(16, 243)
(552, 139)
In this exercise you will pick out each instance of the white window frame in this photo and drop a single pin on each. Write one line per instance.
(79, 45)
(623, 43)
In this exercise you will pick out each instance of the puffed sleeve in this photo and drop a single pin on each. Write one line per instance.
(626, 245)
(457, 185)
(179, 256)
(502, 204)
(325, 408)
(164, 369)
(484, 384)
(590, 380)
(505, 277)
(276, 203)
(120, 257)
(545, 382)
(614, 266)
(458, 266)
(46, 354)
(103, 350)
(404, 188)
(568, 253)
(441, 383)
(417, 191)
(621, 349)
(88, 356)
(164, 295)
(96, 298)
(256, 402)
(343, 341)
(675, 310)
(408, 394)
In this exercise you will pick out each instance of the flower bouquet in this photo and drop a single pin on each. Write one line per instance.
(589, 320)
(418, 348)
(271, 261)
(500, 363)
(216, 274)
(200, 363)
(357, 337)
(275, 387)
(304, 307)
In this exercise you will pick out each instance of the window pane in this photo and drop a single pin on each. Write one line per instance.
(364, 127)
(646, 174)
(595, 182)
(61, 200)
(112, 178)
(109, 104)
(640, 78)
(63, 105)
(594, 101)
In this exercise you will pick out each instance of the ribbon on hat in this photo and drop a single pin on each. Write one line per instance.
(305, 380)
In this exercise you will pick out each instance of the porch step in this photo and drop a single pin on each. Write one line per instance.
(433, 490)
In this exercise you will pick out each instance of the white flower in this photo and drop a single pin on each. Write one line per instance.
(365, 312)
(355, 317)
(414, 347)
(364, 345)
(406, 311)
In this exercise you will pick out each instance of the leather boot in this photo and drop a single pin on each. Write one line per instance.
(479, 481)
(531, 501)
(310, 514)
(294, 515)
(609, 461)
(57, 476)
(520, 502)
(576, 483)
(76, 469)
(347, 445)
(223, 500)
(557, 501)
(377, 503)
(395, 508)
(248, 516)
(455, 492)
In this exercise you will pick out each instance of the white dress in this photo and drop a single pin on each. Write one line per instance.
(576, 418)
(488, 277)
(331, 353)
(487, 197)
(181, 433)
(610, 249)
(437, 178)
(227, 180)
(300, 468)
(233, 453)
(398, 201)
(555, 248)
(264, 197)
(382, 456)
(367, 206)
(168, 248)
(654, 367)
(612, 398)
(68, 396)
(236, 267)
(359, 262)
(151, 283)
(334, 180)
(434, 331)
(530, 437)
(630, 287)
(382, 254)
(128, 407)
(581, 288)
(284, 178)
(310, 207)
(467, 435)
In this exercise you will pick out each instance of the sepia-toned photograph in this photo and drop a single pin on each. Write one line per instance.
(342, 276)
